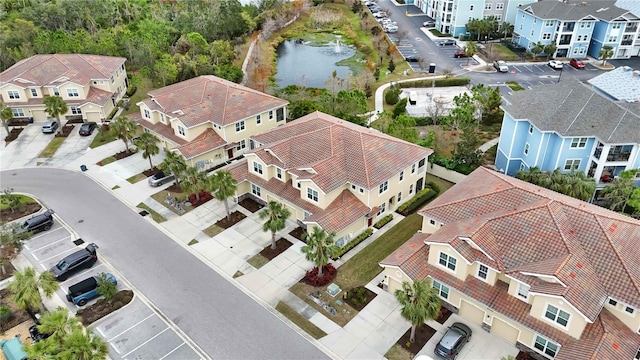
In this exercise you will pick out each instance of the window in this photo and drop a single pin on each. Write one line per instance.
(557, 315)
(629, 309)
(613, 302)
(585, 38)
(34, 92)
(312, 194)
(499, 6)
(443, 290)
(240, 126)
(13, 94)
(241, 145)
(523, 290)
(497, 17)
(588, 26)
(353, 187)
(432, 222)
(411, 189)
(383, 187)
(147, 114)
(401, 175)
(413, 168)
(530, 129)
(522, 166)
(526, 149)
(578, 143)
(487, 6)
(162, 118)
(279, 173)
(382, 209)
(72, 93)
(533, 32)
(575, 51)
(579, 38)
(546, 346)
(361, 190)
(181, 130)
(548, 23)
(257, 168)
(111, 79)
(258, 119)
(471, 8)
(399, 196)
(307, 214)
(572, 164)
(421, 163)
(255, 190)
(75, 110)
(613, 38)
(56, 91)
(546, 36)
(447, 261)
(270, 114)
(616, 26)
(535, 20)
(17, 112)
(483, 271)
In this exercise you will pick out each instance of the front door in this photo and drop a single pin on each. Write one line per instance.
(230, 153)
(369, 222)
(419, 184)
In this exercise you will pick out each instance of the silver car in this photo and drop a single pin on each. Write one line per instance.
(49, 127)
(160, 178)
(501, 66)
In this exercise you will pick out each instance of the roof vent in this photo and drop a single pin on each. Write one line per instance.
(636, 73)
(627, 68)
(178, 112)
(599, 10)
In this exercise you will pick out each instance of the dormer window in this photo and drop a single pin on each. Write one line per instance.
(312, 194)
(13, 94)
(270, 114)
(147, 114)
(181, 130)
(483, 271)
(258, 119)
(257, 168)
(34, 92)
(279, 173)
(447, 261)
(629, 309)
(523, 290)
(556, 315)
(73, 93)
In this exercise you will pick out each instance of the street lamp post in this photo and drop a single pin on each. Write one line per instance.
(560, 73)
(432, 71)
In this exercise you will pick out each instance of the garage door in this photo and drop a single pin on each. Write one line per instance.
(504, 330)
(471, 312)
(93, 116)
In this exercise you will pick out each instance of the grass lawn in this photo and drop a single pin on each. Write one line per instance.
(213, 230)
(489, 157)
(106, 161)
(154, 215)
(258, 261)
(502, 52)
(100, 140)
(135, 178)
(397, 353)
(161, 196)
(144, 87)
(193, 242)
(52, 147)
(24, 199)
(514, 85)
(300, 320)
(442, 183)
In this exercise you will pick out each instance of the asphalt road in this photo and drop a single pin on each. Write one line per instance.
(222, 320)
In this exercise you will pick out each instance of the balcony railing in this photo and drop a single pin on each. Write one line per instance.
(564, 42)
(626, 42)
(618, 157)
(568, 28)
(631, 29)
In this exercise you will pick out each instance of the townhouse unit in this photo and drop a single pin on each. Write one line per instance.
(209, 120)
(331, 173)
(570, 126)
(91, 85)
(577, 28)
(555, 276)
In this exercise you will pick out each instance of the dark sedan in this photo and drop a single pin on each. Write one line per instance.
(87, 128)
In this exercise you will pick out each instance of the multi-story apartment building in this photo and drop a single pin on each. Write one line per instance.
(331, 173)
(555, 276)
(91, 85)
(209, 120)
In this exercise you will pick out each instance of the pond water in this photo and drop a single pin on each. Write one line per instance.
(300, 63)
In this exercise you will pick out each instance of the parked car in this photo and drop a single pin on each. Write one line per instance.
(447, 42)
(87, 289)
(70, 264)
(576, 63)
(412, 58)
(453, 340)
(556, 64)
(501, 66)
(459, 54)
(380, 14)
(160, 178)
(42, 222)
(429, 23)
(87, 128)
(50, 127)
(390, 29)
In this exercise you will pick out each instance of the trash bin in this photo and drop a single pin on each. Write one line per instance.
(30, 119)
(83, 167)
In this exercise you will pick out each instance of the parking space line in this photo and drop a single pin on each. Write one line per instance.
(49, 244)
(46, 232)
(172, 351)
(82, 273)
(47, 259)
(144, 343)
(132, 326)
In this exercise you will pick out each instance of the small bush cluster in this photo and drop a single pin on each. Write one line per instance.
(451, 164)
(384, 221)
(204, 197)
(392, 96)
(5, 314)
(328, 274)
(417, 201)
(438, 83)
(351, 244)
(357, 296)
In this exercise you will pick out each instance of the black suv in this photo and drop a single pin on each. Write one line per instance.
(453, 340)
(81, 259)
(42, 222)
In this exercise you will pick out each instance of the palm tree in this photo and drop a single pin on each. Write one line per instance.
(55, 106)
(618, 192)
(173, 163)
(276, 215)
(550, 49)
(193, 181)
(420, 302)
(223, 186)
(123, 128)
(42, 350)
(26, 286)
(470, 50)
(58, 323)
(147, 142)
(580, 186)
(320, 247)
(5, 114)
(83, 344)
(537, 48)
(605, 53)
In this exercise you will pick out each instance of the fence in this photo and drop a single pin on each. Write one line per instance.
(444, 173)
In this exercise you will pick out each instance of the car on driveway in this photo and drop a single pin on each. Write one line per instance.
(447, 42)
(459, 54)
(576, 63)
(501, 66)
(429, 23)
(50, 127)
(87, 128)
(160, 178)
(555, 64)
(453, 340)
(70, 264)
(41, 222)
(390, 29)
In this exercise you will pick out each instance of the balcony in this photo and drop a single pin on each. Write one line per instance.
(626, 42)
(568, 27)
(618, 156)
(630, 29)
(597, 153)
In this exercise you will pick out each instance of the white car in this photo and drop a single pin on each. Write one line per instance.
(501, 66)
(556, 64)
(390, 29)
(429, 23)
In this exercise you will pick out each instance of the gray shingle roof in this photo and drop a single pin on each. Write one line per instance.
(571, 108)
(623, 83)
(575, 10)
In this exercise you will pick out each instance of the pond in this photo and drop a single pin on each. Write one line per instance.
(303, 64)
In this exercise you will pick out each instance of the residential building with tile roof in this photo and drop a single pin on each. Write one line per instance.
(331, 173)
(209, 120)
(90, 85)
(569, 126)
(551, 274)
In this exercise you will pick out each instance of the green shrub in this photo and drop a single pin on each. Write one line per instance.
(392, 95)
(433, 186)
(383, 221)
(5, 314)
(418, 200)
(400, 108)
(131, 90)
(112, 113)
(423, 121)
(351, 244)
(357, 296)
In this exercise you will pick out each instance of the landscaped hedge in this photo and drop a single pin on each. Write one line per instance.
(417, 201)
(451, 164)
(452, 81)
(383, 221)
(351, 244)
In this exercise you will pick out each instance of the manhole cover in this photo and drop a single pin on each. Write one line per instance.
(144, 213)
(78, 242)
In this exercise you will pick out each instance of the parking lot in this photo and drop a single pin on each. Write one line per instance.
(542, 74)
(135, 331)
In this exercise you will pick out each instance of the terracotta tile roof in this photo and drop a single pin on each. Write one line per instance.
(342, 152)
(410, 248)
(205, 142)
(592, 250)
(342, 212)
(159, 129)
(56, 69)
(211, 99)
(97, 96)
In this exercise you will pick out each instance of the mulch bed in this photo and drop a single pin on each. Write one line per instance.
(523, 355)
(444, 315)
(423, 334)
(150, 172)
(21, 122)
(123, 154)
(368, 295)
(66, 131)
(297, 233)
(9, 271)
(103, 308)
(13, 134)
(6, 215)
(250, 204)
(281, 245)
(19, 316)
(174, 188)
(236, 217)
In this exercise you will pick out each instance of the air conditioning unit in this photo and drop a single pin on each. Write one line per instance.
(636, 72)
(627, 68)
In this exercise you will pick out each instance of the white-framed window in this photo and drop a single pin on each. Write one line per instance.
(257, 168)
(546, 346)
(383, 187)
(241, 145)
(411, 189)
(616, 25)
(13, 94)
(471, 8)
(499, 6)
(147, 114)
(588, 26)
(613, 302)
(526, 148)
(557, 315)
(307, 214)
(181, 130)
(162, 118)
(75, 110)
(629, 309)
(312, 195)
(432, 222)
(585, 38)
(523, 290)
(383, 208)
(258, 119)
(361, 190)
(522, 166)
(353, 187)
(535, 20)
(546, 36)
(533, 32)
(578, 143)
(582, 50)
(270, 114)
(447, 261)
(531, 129)
(548, 23)
(56, 91)
(483, 271)
(497, 17)
(399, 196)
(401, 175)
(111, 79)
(613, 38)
(34, 92)
(279, 173)
(240, 126)
(72, 93)
(579, 38)
(575, 51)
(443, 290)
(255, 190)
(572, 164)
(17, 112)
(521, 24)
(413, 168)
(487, 6)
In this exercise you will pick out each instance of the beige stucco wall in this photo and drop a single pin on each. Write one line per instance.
(82, 91)
(251, 127)
(576, 320)
(190, 133)
(428, 227)
(354, 229)
(632, 321)
(209, 159)
(38, 114)
(461, 265)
